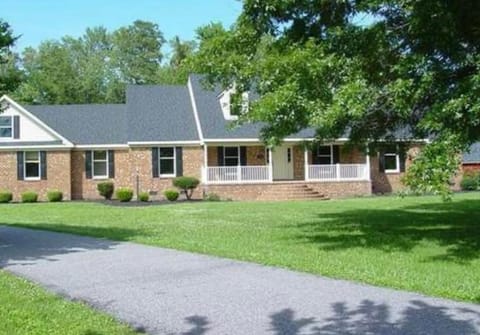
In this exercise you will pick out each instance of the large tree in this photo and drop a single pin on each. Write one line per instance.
(10, 75)
(365, 68)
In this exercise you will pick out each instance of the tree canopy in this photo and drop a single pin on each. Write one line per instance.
(10, 75)
(365, 68)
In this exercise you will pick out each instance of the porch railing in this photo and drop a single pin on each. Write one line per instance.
(336, 172)
(237, 174)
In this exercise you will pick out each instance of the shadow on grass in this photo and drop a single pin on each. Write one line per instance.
(20, 246)
(455, 226)
(370, 317)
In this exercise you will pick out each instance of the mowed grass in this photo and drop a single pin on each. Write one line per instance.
(416, 243)
(27, 309)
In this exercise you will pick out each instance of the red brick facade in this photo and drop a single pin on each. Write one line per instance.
(133, 169)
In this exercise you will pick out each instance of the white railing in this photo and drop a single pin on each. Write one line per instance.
(237, 174)
(337, 172)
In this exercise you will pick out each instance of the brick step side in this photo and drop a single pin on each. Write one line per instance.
(290, 192)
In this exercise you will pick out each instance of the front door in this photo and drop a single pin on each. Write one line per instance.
(282, 161)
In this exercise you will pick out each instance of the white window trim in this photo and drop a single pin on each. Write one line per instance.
(397, 161)
(5, 127)
(331, 153)
(238, 155)
(167, 175)
(99, 161)
(38, 161)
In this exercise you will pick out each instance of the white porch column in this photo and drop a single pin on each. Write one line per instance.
(205, 164)
(270, 165)
(367, 158)
(306, 163)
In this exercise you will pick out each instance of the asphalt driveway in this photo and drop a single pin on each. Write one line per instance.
(170, 292)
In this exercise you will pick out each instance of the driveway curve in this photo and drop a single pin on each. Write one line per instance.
(163, 291)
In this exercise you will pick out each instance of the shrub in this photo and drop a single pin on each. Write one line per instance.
(143, 196)
(171, 195)
(469, 183)
(186, 184)
(55, 196)
(106, 189)
(5, 197)
(28, 197)
(124, 194)
(212, 197)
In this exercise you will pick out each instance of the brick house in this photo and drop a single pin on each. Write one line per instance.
(471, 159)
(167, 131)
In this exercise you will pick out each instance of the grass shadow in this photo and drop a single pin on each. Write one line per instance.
(454, 226)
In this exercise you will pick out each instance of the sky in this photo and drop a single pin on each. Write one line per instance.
(39, 20)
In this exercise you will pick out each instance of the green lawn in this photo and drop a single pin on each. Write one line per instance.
(28, 309)
(415, 243)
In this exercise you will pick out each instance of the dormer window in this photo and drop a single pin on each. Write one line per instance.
(6, 127)
(232, 106)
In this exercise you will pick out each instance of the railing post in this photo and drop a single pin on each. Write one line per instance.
(270, 165)
(239, 173)
(337, 166)
(306, 177)
(367, 166)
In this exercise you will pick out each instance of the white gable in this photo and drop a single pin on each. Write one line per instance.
(31, 128)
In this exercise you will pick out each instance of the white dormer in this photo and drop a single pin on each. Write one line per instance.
(225, 99)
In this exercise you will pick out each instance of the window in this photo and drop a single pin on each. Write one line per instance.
(392, 160)
(325, 154)
(6, 130)
(231, 156)
(167, 161)
(32, 165)
(100, 164)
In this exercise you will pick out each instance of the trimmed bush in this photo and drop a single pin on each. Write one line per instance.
(55, 196)
(171, 195)
(124, 194)
(186, 184)
(469, 183)
(29, 197)
(212, 197)
(5, 197)
(144, 197)
(106, 189)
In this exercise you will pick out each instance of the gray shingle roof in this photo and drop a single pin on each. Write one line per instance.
(473, 155)
(85, 124)
(160, 113)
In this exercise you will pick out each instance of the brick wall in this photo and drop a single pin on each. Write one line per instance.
(58, 175)
(83, 188)
(390, 182)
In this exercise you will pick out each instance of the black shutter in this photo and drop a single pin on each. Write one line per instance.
(402, 156)
(243, 156)
(111, 164)
(16, 127)
(381, 161)
(336, 154)
(88, 164)
(179, 161)
(220, 156)
(155, 172)
(43, 165)
(315, 158)
(20, 173)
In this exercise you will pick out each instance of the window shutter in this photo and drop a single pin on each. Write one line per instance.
(43, 165)
(20, 173)
(155, 172)
(16, 127)
(402, 157)
(314, 151)
(336, 154)
(88, 164)
(243, 156)
(220, 156)
(179, 161)
(381, 161)
(111, 164)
